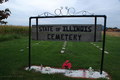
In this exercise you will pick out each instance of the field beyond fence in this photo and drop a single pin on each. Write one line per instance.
(117, 34)
(9, 29)
(8, 32)
(24, 30)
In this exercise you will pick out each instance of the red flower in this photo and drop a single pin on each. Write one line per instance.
(67, 65)
(64, 64)
(67, 61)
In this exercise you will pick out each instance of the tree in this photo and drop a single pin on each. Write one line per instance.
(115, 28)
(1, 1)
(4, 13)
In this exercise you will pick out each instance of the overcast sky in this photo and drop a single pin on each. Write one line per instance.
(23, 9)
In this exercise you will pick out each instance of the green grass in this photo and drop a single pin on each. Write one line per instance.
(80, 54)
(9, 32)
(9, 37)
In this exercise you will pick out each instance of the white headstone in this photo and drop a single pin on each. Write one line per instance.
(62, 51)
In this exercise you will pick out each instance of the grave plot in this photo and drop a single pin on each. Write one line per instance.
(77, 48)
(68, 32)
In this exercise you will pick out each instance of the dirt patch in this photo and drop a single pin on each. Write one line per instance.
(117, 34)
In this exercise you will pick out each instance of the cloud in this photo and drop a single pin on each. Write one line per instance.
(23, 9)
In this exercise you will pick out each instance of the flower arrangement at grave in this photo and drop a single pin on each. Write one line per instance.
(66, 65)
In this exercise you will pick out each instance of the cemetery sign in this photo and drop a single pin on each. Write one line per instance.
(67, 32)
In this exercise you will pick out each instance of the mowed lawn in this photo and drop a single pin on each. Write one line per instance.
(14, 58)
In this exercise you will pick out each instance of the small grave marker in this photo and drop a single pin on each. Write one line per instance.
(62, 51)
(63, 48)
(21, 49)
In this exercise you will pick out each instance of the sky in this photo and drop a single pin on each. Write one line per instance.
(21, 10)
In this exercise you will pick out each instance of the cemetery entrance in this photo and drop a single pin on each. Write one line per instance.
(67, 32)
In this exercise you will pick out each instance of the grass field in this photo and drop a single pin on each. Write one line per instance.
(10, 29)
(80, 54)
(9, 32)
(14, 55)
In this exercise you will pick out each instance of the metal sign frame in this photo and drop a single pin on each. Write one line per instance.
(69, 16)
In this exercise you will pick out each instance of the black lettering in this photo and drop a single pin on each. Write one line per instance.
(48, 28)
(52, 36)
(48, 36)
(51, 28)
(89, 29)
(67, 28)
(75, 37)
(45, 29)
(70, 38)
(57, 36)
(74, 28)
(66, 36)
(79, 37)
(58, 29)
(40, 29)
(82, 28)
(85, 28)
(70, 29)
(64, 28)
(78, 28)
(62, 36)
